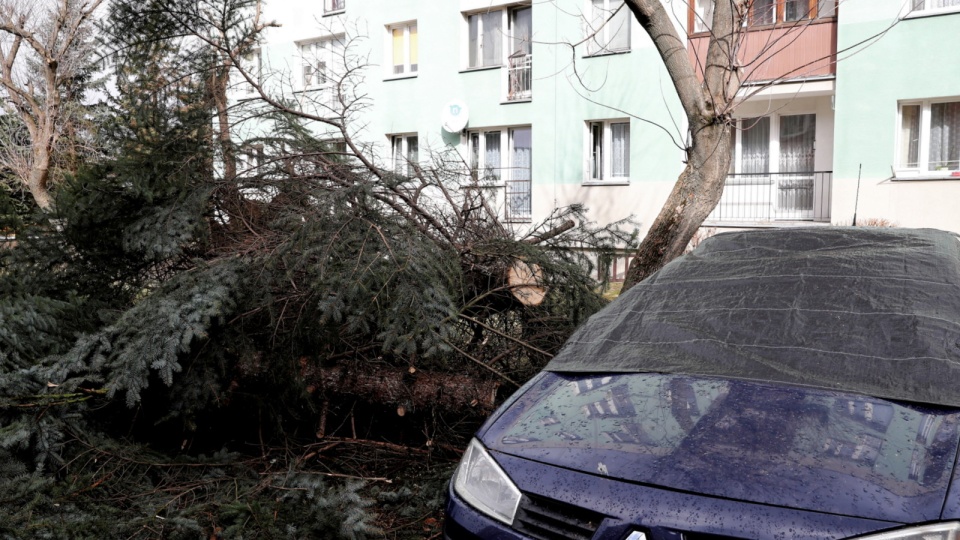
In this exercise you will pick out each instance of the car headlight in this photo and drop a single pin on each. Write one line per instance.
(939, 531)
(483, 484)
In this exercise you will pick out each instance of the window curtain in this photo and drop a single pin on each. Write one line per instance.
(945, 136)
(598, 15)
(474, 39)
(909, 136)
(797, 148)
(522, 31)
(620, 150)
(755, 145)
(618, 29)
(520, 159)
(612, 34)
(492, 38)
(398, 165)
(398, 61)
(704, 15)
(474, 152)
(763, 12)
(518, 189)
(596, 151)
(491, 156)
(413, 154)
(795, 10)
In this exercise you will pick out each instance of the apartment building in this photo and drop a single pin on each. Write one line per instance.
(563, 102)
(897, 149)
(568, 102)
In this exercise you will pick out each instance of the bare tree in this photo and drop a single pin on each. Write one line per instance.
(709, 91)
(708, 108)
(45, 48)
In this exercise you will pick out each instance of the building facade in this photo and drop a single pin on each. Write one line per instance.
(568, 102)
(897, 150)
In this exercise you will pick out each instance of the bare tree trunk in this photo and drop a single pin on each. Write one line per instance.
(39, 178)
(218, 88)
(694, 196)
(708, 108)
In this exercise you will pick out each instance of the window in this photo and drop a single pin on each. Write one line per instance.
(321, 60)
(249, 158)
(767, 12)
(250, 63)
(928, 138)
(703, 15)
(484, 154)
(504, 155)
(935, 5)
(403, 48)
(787, 141)
(333, 6)
(485, 39)
(608, 150)
(520, 68)
(405, 154)
(609, 26)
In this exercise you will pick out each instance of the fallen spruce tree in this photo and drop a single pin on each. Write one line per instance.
(185, 356)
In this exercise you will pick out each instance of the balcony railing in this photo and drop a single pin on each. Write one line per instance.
(799, 196)
(518, 203)
(520, 77)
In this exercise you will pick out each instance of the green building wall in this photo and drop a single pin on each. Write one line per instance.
(884, 60)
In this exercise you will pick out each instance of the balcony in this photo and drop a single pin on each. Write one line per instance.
(520, 77)
(795, 50)
(768, 197)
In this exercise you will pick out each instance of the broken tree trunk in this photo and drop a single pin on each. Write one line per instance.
(400, 387)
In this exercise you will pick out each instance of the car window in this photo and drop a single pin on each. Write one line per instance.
(691, 425)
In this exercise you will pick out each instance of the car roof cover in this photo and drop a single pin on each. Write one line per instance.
(866, 310)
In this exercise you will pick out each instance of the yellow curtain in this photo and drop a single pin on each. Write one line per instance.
(398, 47)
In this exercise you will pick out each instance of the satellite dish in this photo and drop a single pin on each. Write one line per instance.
(454, 116)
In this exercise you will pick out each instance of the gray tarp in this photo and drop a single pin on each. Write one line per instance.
(873, 311)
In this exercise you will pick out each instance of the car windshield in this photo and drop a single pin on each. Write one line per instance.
(732, 437)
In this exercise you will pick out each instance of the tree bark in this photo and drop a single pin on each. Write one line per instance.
(708, 108)
(398, 387)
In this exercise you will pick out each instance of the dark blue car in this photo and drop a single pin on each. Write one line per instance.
(772, 384)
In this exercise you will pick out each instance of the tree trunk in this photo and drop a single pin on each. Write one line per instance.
(38, 181)
(708, 105)
(218, 87)
(694, 196)
(398, 387)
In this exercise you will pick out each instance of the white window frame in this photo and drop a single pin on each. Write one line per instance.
(922, 170)
(332, 7)
(480, 164)
(319, 56)
(606, 176)
(409, 70)
(923, 11)
(396, 162)
(599, 44)
(506, 166)
(504, 22)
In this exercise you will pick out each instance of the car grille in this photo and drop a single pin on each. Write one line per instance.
(546, 519)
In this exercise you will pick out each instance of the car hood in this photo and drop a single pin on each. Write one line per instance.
(779, 445)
